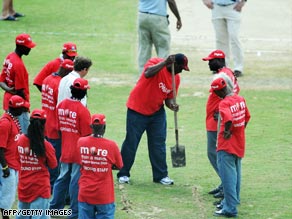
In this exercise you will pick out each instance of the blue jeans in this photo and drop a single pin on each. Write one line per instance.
(8, 189)
(24, 121)
(88, 211)
(155, 126)
(211, 151)
(69, 176)
(39, 203)
(230, 172)
(54, 173)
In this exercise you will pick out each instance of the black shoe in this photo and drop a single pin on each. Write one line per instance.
(18, 15)
(214, 191)
(221, 213)
(219, 194)
(238, 73)
(217, 202)
(10, 18)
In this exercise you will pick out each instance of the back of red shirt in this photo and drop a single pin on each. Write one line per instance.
(97, 156)
(34, 177)
(148, 96)
(49, 102)
(74, 122)
(47, 70)
(233, 108)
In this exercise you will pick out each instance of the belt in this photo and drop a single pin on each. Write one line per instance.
(146, 12)
(224, 5)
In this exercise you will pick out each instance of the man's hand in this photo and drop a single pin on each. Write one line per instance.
(238, 6)
(208, 3)
(227, 134)
(178, 25)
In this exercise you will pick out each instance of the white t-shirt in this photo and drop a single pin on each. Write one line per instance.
(64, 87)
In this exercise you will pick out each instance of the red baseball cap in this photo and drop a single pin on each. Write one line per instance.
(81, 84)
(24, 40)
(216, 54)
(182, 60)
(218, 84)
(70, 49)
(98, 119)
(38, 114)
(16, 101)
(67, 64)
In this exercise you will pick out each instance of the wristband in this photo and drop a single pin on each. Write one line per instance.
(5, 168)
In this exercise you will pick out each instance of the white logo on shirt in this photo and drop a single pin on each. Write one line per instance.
(164, 88)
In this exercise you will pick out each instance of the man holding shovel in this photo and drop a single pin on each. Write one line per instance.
(146, 113)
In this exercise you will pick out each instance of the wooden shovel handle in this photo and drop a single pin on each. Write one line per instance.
(174, 101)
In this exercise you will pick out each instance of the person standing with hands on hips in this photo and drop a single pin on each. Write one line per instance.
(146, 113)
(153, 29)
(14, 77)
(226, 18)
(234, 116)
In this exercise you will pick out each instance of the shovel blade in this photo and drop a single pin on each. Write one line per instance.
(178, 156)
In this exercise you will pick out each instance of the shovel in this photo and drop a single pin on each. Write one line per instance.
(178, 154)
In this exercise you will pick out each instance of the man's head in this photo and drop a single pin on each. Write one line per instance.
(82, 65)
(66, 67)
(219, 87)
(17, 105)
(180, 63)
(24, 44)
(69, 51)
(216, 60)
(98, 124)
(79, 88)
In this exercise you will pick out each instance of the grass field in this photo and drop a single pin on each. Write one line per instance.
(105, 31)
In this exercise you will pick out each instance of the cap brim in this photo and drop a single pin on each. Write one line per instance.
(31, 45)
(186, 68)
(206, 59)
(71, 54)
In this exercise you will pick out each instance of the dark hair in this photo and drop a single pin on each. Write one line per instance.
(16, 111)
(36, 135)
(81, 63)
(77, 93)
(98, 129)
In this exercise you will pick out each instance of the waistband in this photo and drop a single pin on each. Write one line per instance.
(224, 5)
(146, 12)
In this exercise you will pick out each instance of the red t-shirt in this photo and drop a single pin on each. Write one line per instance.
(148, 96)
(213, 101)
(47, 70)
(50, 89)
(233, 108)
(14, 74)
(9, 134)
(97, 156)
(74, 122)
(34, 177)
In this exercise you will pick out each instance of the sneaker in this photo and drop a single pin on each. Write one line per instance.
(221, 213)
(124, 179)
(166, 181)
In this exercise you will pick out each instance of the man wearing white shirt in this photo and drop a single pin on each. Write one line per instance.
(81, 68)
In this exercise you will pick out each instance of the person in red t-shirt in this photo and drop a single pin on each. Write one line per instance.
(217, 65)
(14, 76)
(97, 157)
(146, 113)
(9, 134)
(234, 116)
(69, 51)
(50, 90)
(35, 155)
(74, 122)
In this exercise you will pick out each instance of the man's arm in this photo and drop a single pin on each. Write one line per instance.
(153, 70)
(4, 86)
(173, 8)
(208, 3)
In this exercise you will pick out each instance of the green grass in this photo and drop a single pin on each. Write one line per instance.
(105, 31)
